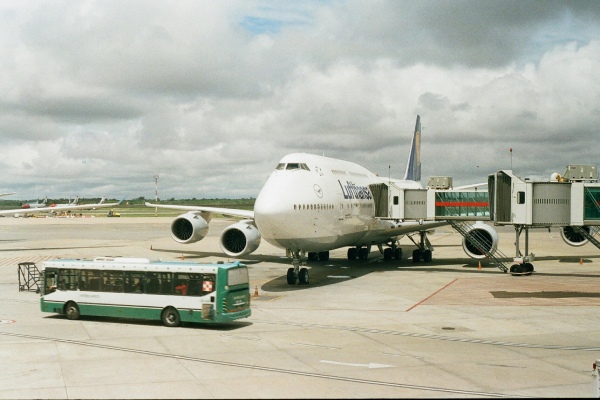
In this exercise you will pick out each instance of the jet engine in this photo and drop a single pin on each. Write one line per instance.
(240, 238)
(484, 235)
(189, 228)
(574, 238)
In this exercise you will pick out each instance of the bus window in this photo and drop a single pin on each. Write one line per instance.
(50, 280)
(68, 279)
(159, 283)
(91, 280)
(134, 282)
(237, 276)
(113, 281)
(182, 284)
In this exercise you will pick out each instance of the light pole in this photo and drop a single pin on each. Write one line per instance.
(156, 194)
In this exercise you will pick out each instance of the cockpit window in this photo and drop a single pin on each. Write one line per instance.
(292, 166)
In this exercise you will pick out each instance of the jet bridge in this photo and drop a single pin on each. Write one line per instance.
(571, 202)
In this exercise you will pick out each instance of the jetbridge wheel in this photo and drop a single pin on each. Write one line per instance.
(303, 276)
(291, 276)
(521, 269)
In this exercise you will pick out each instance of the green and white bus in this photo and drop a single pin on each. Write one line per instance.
(173, 292)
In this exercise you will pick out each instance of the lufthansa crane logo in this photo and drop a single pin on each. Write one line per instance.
(318, 191)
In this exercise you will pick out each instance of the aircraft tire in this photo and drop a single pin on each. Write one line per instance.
(323, 256)
(398, 254)
(363, 253)
(291, 276)
(416, 256)
(352, 253)
(388, 254)
(427, 256)
(303, 277)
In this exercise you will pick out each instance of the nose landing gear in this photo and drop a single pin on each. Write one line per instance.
(297, 274)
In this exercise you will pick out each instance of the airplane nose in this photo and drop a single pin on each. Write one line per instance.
(272, 207)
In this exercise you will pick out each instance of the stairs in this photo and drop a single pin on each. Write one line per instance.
(496, 257)
(29, 277)
(589, 235)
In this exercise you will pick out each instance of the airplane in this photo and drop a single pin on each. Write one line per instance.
(63, 208)
(6, 194)
(35, 205)
(313, 204)
(72, 203)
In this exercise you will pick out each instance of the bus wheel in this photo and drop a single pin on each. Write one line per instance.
(71, 310)
(170, 317)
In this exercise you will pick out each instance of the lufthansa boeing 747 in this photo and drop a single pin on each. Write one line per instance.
(313, 204)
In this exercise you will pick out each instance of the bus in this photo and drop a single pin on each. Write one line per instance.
(173, 292)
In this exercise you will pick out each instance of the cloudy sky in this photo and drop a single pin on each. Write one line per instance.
(97, 97)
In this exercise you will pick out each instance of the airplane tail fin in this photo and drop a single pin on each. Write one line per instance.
(413, 167)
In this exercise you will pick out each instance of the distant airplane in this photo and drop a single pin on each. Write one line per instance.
(72, 203)
(62, 208)
(313, 204)
(6, 194)
(35, 205)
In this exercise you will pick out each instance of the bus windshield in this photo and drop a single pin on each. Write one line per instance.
(237, 276)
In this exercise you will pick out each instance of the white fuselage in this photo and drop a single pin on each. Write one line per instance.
(315, 203)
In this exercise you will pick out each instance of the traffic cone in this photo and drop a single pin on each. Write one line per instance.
(581, 261)
(479, 266)
(150, 247)
(255, 291)
(182, 257)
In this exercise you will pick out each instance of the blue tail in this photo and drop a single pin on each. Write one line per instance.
(413, 167)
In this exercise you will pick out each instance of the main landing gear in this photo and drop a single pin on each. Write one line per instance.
(297, 274)
(424, 252)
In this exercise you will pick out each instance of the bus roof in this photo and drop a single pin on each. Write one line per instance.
(137, 264)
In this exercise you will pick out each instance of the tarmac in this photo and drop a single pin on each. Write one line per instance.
(452, 328)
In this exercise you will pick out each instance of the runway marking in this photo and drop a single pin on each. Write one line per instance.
(432, 336)
(263, 368)
(369, 365)
(431, 295)
(14, 261)
(316, 345)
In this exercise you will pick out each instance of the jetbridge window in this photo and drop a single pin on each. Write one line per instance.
(520, 197)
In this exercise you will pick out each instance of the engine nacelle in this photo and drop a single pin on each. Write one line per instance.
(189, 228)
(572, 237)
(485, 235)
(240, 238)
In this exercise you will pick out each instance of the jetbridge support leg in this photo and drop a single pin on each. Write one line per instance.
(523, 265)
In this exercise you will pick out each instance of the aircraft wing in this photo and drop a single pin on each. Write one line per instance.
(229, 212)
(21, 211)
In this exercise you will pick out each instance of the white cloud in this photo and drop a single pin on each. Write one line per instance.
(102, 95)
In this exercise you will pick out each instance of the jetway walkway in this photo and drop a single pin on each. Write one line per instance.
(571, 202)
